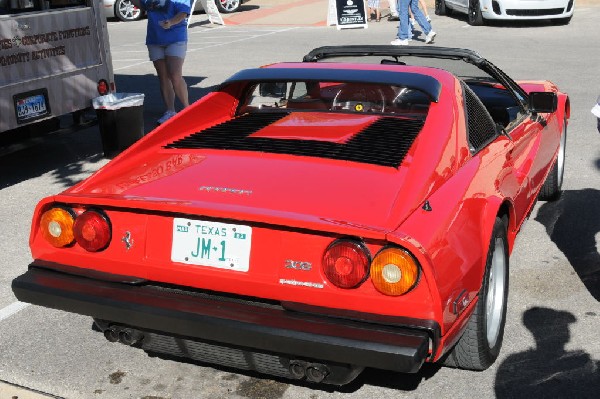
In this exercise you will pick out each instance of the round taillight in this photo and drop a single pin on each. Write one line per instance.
(57, 227)
(102, 87)
(394, 271)
(346, 263)
(92, 231)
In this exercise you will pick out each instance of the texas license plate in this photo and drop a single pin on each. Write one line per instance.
(31, 106)
(202, 243)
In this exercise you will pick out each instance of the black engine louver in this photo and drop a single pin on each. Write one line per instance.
(385, 142)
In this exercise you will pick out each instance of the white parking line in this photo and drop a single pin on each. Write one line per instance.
(9, 390)
(11, 309)
(204, 46)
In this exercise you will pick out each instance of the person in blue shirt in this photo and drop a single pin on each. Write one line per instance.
(166, 38)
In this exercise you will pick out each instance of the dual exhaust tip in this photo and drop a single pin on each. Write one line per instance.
(313, 372)
(299, 369)
(124, 335)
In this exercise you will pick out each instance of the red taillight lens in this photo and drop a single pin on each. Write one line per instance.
(92, 231)
(57, 227)
(346, 263)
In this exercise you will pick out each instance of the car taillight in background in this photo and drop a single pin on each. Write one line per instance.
(346, 263)
(91, 230)
(394, 271)
(103, 87)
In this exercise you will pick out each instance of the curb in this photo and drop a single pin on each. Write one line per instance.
(13, 391)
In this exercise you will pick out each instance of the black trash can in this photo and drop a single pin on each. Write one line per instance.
(121, 120)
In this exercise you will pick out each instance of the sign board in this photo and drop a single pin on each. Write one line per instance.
(210, 8)
(332, 13)
(348, 13)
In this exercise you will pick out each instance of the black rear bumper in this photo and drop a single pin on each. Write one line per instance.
(226, 322)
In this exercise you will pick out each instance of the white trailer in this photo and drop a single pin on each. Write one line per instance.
(54, 59)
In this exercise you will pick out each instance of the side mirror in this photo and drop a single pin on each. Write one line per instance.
(273, 89)
(542, 102)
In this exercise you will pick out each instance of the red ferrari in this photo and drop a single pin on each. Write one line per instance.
(311, 219)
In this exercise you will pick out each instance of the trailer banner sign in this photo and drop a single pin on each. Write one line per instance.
(24, 45)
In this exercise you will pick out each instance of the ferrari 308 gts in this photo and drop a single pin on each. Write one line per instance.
(310, 219)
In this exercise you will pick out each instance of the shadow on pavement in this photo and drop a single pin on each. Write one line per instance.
(264, 383)
(153, 103)
(548, 370)
(66, 156)
(392, 380)
(69, 157)
(572, 223)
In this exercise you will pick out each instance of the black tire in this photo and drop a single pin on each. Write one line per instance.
(480, 344)
(474, 16)
(440, 8)
(228, 6)
(126, 11)
(552, 188)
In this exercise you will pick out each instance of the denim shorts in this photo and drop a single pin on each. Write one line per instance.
(157, 52)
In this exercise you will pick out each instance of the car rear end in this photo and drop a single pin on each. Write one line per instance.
(302, 304)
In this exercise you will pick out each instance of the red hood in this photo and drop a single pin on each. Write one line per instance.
(262, 186)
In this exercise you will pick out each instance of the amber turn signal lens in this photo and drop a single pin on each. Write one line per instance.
(57, 227)
(394, 272)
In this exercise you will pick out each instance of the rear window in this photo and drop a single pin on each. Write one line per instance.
(334, 97)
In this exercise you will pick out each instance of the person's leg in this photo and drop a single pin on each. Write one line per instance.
(411, 24)
(175, 74)
(403, 12)
(424, 8)
(166, 87)
(419, 17)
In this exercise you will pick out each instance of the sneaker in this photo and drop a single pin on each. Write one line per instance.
(429, 37)
(428, 18)
(399, 42)
(394, 18)
(166, 116)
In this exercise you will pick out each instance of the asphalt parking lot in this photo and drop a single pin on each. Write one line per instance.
(551, 347)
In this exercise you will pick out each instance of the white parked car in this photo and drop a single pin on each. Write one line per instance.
(125, 10)
(559, 11)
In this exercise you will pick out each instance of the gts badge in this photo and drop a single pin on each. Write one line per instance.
(297, 265)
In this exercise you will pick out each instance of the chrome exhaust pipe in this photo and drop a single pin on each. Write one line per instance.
(316, 372)
(313, 372)
(130, 336)
(297, 369)
(111, 334)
